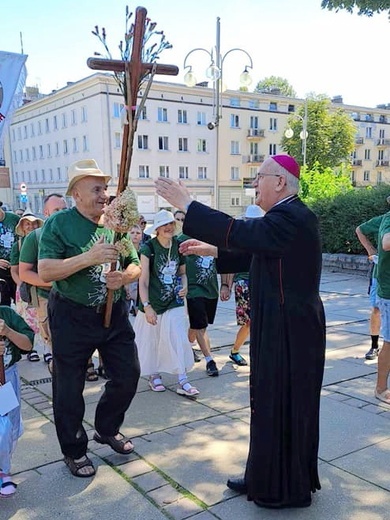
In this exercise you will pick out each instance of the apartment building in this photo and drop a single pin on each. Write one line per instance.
(173, 139)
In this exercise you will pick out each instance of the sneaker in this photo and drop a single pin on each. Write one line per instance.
(197, 357)
(211, 368)
(372, 353)
(238, 359)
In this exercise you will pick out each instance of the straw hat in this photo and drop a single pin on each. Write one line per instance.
(160, 219)
(27, 215)
(84, 168)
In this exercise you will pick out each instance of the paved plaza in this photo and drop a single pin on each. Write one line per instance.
(186, 450)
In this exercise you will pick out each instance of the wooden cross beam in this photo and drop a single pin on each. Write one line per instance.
(134, 71)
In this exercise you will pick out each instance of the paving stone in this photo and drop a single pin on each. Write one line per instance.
(184, 508)
(150, 481)
(165, 495)
(135, 468)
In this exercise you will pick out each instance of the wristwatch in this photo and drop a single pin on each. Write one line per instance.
(145, 304)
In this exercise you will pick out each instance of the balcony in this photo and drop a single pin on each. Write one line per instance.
(359, 140)
(255, 133)
(382, 164)
(383, 142)
(253, 159)
(356, 162)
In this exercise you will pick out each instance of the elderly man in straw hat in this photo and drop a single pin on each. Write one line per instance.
(282, 251)
(73, 252)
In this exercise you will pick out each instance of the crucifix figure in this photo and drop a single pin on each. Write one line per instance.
(135, 70)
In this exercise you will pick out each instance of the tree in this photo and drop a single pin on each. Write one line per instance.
(366, 7)
(330, 134)
(275, 83)
(317, 184)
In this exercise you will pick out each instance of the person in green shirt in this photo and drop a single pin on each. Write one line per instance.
(17, 338)
(8, 223)
(28, 262)
(75, 254)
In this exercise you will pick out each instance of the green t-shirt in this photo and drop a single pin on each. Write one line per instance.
(12, 353)
(29, 255)
(7, 234)
(15, 251)
(67, 234)
(371, 228)
(163, 276)
(201, 275)
(383, 273)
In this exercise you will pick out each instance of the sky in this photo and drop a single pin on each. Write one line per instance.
(316, 51)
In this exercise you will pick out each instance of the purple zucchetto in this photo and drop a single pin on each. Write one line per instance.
(288, 163)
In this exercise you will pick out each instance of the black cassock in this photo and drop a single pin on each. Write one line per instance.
(287, 345)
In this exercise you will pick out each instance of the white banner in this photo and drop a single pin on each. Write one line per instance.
(12, 79)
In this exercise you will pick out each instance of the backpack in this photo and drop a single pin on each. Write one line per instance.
(28, 292)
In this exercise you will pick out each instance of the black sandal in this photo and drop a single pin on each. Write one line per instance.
(75, 467)
(117, 445)
(47, 357)
(102, 372)
(91, 374)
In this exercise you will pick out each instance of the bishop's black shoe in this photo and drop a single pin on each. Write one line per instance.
(237, 484)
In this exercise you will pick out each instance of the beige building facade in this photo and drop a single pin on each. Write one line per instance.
(84, 120)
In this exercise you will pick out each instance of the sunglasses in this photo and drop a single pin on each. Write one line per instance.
(143, 223)
(179, 219)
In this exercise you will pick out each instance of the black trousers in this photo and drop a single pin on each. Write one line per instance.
(76, 332)
(7, 288)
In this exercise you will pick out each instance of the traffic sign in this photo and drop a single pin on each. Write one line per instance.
(23, 188)
(24, 198)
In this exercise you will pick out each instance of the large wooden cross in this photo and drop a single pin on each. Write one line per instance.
(134, 70)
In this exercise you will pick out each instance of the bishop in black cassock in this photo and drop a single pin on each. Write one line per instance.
(282, 251)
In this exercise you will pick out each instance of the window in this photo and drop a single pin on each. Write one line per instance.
(182, 116)
(142, 142)
(73, 117)
(25, 131)
(272, 149)
(353, 176)
(118, 169)
(254, 122)
(234, 102)
(15, 157)
(117, 109)
(34, 153)
(64, 120)
(47, 126)
(379, 178)
(143, 114)
(13, 135)
(381, 134)
(39, 128)
(49, 150)
(55, 123)
(202, 145)
(162, 115)
(65, 146)
(27, 154)
(35, 177)
(57, 148)
(366, 175)
(20, 155)
(234, 121)
(117, 140)
(202, 172)
(254, 148)
(19, 133)
(164, 171)
(143, 172)
(235, 200)
(43, 178)
(183, 144)
(75, 147)
(201, 118)
(367, 155)
(273, 106)
(254, 103)
(234, 147)
(163, 143)
(369, 132)
(381, 155)
(50, 179)
(234, 173)
(273, 125)
(183, 172)
(291, 108)
(85, 143)
(58, 173)
(84, 114)
(41, 151)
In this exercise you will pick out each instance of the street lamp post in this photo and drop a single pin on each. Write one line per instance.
(303, 134)
(215, 73)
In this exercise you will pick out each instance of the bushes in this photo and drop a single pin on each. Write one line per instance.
(340, 216)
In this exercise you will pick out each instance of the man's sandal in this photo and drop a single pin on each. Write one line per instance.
(33, 356)
(7, 489)
(47, 357)
(156, 384)
(185, 388)
(75, 467)
(117, 445)
(91, 374)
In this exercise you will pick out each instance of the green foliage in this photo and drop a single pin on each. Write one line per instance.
(365, 7)
(275, 83)
(317, 183)
(330, 134)
(340, 216)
